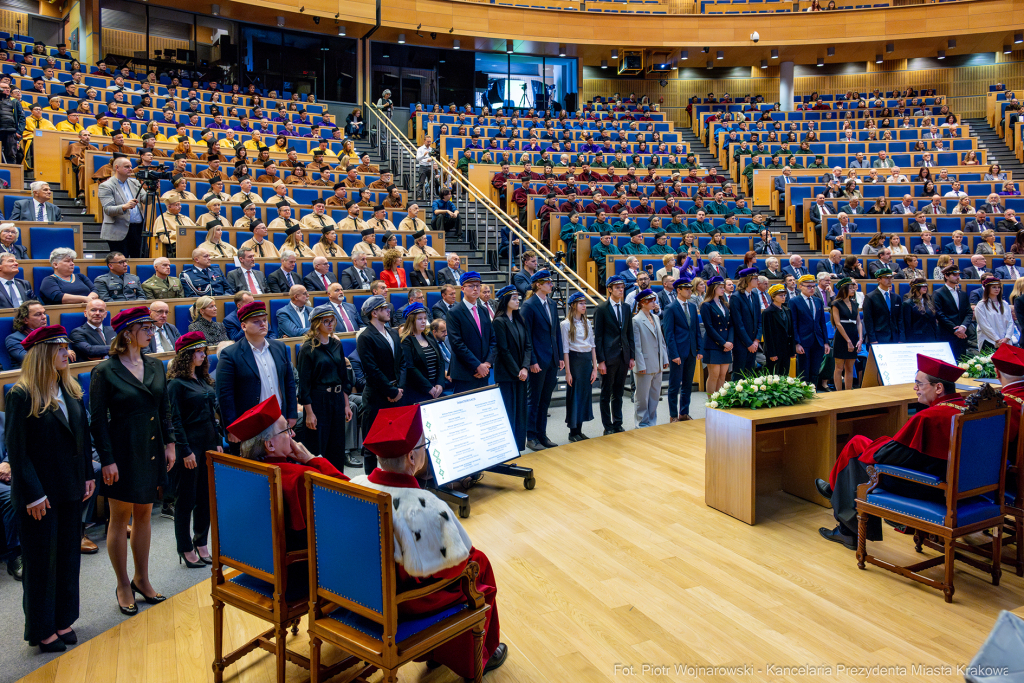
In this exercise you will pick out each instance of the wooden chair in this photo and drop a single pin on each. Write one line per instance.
(975, 480)
(247, 525)
(352, 566)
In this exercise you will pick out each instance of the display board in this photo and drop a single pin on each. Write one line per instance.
(897, 363)
(468, 432)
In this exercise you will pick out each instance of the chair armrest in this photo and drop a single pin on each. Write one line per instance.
(431, 587)
(911, 475)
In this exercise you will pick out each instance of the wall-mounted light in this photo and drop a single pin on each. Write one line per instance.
(280, 22)
(951, 43)
(821, 61)
(775, 54)
(215, 10)
(456, 45)
(709, 63)
(720, 54)
(878, 59)
(341, 30)
(832, 51)
(1018, 37)
(684, 55)
(941, 55)
(401, 39)
(890, 47)
(604, 63)
(764, 63)
(561, 50)
(1007, 49)
(509, 47)
(615, 54)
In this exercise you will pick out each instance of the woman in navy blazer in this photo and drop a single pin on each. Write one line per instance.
(718, 333)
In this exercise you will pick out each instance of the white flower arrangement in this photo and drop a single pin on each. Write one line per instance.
(762, 391)
(978, 366)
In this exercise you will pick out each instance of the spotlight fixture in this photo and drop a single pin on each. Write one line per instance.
(878, 59)
(280, 22)
(419, 26)
(832, 51)
(215, 10)
(941, 55)
(337, 15)
(764, 63)
(1007, 49)
(890, 47)
(509, 47)
(1018, 37)
(440, 60)
(561, 50)
(684, 55)
(341, 30)
(951, 43)
(821, 61)
(401, 39)
(710, 63)
(302, 9)
(705, 50)
(451, 30)
(604, 63)
(775, 54)
(720, 54)
(615, 54)
(433, 35)
(456, 45)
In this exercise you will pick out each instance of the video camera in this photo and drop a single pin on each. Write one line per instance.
(152, 175)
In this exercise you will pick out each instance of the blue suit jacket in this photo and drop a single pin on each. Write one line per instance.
(469, 347)
(238, 380)
(545, 334)
(289, 324)
(808, 329)
(745, 313)
(790, 270)
(628, 279)
(682, 340)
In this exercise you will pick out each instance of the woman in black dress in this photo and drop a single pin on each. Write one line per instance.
(50, 454)
(580, 366)
(135, 442)
(920, 321)
(849, 331)
(324, 385)
(779, 345)
(424, 364)
(193, 401)
(514, 350)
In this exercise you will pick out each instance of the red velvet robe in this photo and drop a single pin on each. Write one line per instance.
(295, 489)
(456, 654)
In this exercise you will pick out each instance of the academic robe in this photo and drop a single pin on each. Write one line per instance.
(294, 488)
(421, 563)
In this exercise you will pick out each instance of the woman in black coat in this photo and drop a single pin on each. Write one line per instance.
(193, 403)
(135, 442)
(324, 385)
(424, 364)
(514, 350)
(779, 344)
(423, 277)
(50, 454)
(920, 321)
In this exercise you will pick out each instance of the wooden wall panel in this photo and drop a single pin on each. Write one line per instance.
(128, 43)
(9, 21)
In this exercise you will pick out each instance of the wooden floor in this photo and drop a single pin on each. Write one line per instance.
(614, 560)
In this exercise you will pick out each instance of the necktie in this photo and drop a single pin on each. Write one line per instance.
(618, 315)
(326, 284)
(12, 294)
(39, 213)
(888, 301)
(344, 318)
(252, 283)
(476, 318)
(259, 250)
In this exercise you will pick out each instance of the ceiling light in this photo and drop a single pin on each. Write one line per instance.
(456, 45)
(775, 54)
(720, 54)
(832, 51)
(890, 47)
(684, 55)
(341, 30)
(215, 10)
(821, 61)
(280, 22)
(615, 54)
(709, 63)
(951, 43)
(509, 47)
(604, 63)
(401, 39)
(941, 55)
(1007, 49)
(1018, 37)
(764, 63)
(561, 50)
(878, 59)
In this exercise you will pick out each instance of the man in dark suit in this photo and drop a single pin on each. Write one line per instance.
(884, 261)
(818, 210)
(321, 277)
(449, 295)
(164, 333)
(348, 319)
(547, 357)
(357, 276)
(833, 265)
(521, 280)
(416, 296)
(247, 277)
(1009, 270)
(616, 351)
(38, 207)
(838, 229)
(953, 311)
(883, 312)
(91, 340)
(254, 369)
(452, 273)
(470, 338)
(285, 277)
(808, 331)
(715, 267)
(681, 325)
(796, 267)
(383, 365)
(13, 290)
(926, 247)
(978, 268)
(980, 222)
(745, 313)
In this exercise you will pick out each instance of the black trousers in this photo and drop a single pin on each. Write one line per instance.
(52, 553)
(447, 223)
(613, 384)
(11, 141)
(366, 418)
(743, 361)
(513, 395)
(780, 366)
(192, 492)
(542, 386)
(808, 363)
(131, 245)
(680, 385)
(329, 409)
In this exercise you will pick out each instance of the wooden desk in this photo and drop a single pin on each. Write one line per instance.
(761, 451)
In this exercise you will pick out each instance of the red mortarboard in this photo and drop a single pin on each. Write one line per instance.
(1009, 359)
(934, 367)
(130, 316)
(256, 419)
(395, 432)
(250, 309)
(48, 334)
(190, 340)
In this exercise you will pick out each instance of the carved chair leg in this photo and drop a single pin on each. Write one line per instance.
(390, 676)
(478, 652)
(862, 539)
(295, 628)
(281, 638)
(947, 588)
(918, 540)
(314, 659)
(218, 641)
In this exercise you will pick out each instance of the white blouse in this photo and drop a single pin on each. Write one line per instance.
(584, 337)
(993, 325)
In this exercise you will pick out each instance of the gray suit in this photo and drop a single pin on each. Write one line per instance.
(24, 210)
(651, 356)
(115, 219)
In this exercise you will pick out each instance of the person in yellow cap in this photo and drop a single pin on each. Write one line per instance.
(430, 543)
(777, 327)
(808, 313)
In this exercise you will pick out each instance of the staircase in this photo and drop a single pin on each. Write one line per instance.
(998, 152)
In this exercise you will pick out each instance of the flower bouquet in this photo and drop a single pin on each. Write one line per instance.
(978, 366)
(765, 391)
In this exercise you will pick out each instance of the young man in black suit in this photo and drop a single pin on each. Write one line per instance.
(953, 311)
(616, 351)
(383, 365)
(540, 314)
(883, 312)
(470, 338)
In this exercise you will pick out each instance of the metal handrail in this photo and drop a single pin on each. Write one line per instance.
(545, 254)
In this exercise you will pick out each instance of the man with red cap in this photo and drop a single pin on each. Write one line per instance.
(1009, 363)
(265, 436)
(922, 444)
(430, 543)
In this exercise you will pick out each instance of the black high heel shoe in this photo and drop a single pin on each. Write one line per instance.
(205, 560)
(189, 563)
(155, 600)
(132, 609)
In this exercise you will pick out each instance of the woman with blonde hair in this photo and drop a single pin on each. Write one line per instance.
(1017, 301)
(214, 245)
(895, 244)
(347, 155)
(945, 260)
(988, 245)
(424, 363)
(668, 262)
(203, 313)
(50, 457)
(393, 274)
(296, 242)
(964, 208)
(324, 385)
(580, 353)
(213, 213)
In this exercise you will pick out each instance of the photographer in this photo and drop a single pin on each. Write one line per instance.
(12, 125)
(122, 200)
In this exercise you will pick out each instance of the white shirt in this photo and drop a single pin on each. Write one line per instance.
(992, 324)
(584, 336)
(35, 209)
(159, 335)
(268, 372)
(251, 282)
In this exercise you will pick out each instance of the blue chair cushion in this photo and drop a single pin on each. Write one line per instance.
(406, 627)
(971, 510)
(298, 585)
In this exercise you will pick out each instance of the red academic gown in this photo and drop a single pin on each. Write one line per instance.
(456, 654)
(295, 489)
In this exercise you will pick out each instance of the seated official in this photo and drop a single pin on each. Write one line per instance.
(8, 236)
(29, 316)
(91, 340)
(922, 444)
(266, 437)
(117, 284)
(1008, 361)
(428, 537)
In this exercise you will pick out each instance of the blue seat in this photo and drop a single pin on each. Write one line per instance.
(45, 239)
(6, 329)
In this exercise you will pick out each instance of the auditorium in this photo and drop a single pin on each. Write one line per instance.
(324, 297)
